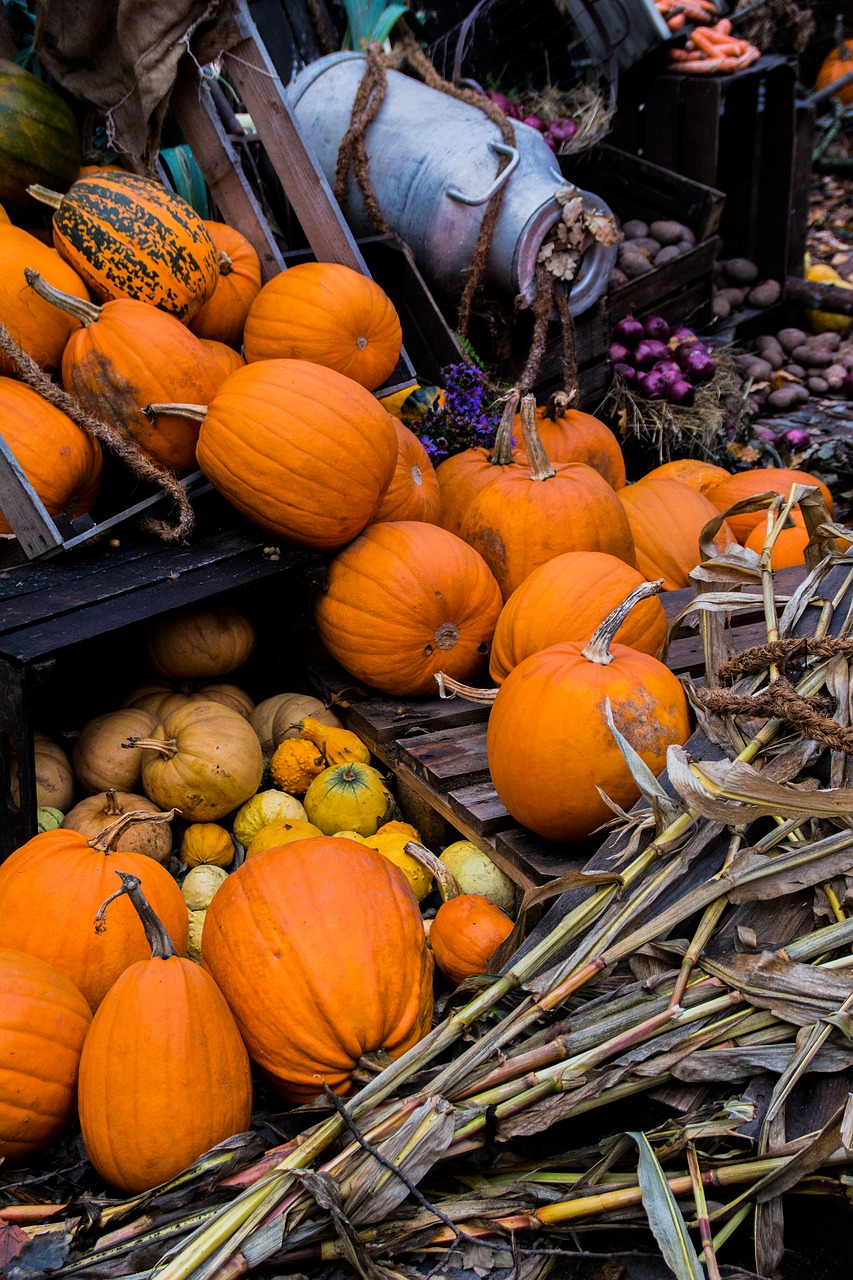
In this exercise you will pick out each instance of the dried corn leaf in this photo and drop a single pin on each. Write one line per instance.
(801, 994)
(735, 792)
(742, 1063)
(374, 1192)
(665, 1217)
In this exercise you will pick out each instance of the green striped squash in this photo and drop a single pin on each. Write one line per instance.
(129, 237)
(39, 141)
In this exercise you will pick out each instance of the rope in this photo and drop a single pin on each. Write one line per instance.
(124, 447)
(778, 652)
(542, 305)
(352, 153)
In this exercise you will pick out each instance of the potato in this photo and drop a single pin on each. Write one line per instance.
(787, 397)
(635, 228)
(834, 376)
(740, 270)
(721, 307)
(634, 264)
(795, 370)
(646, 245)
(813, 357)
(758, 370)
(817, 386)
(766, 294)
(773, 354)
(668, 254)
(790, 338)
(617, 278)
(684, 246)
(670, 232)
(828, 339)
(735, 296)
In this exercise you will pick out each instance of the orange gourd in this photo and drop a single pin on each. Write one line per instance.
(301, 450)
(329, 314)
(413, 493)
(746, 484)
(404, 601)
(50, 891)
(566, 599)
(319, 949)
(837, 63)
(184, 1082)
(34, 324)
(690, 471)
(549, 745)
(463, 475)
(225, 357)
(534, 512)
(43, 1023)
(465, 934)
(667, 518)
(568, 435)
(223, 316)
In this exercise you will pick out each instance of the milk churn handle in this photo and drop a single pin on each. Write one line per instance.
(504, 150)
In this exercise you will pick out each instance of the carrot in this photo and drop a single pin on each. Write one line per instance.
(676, 22)
(704, 66)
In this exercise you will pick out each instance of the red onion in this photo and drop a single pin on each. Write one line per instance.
(696, 364)
(656, 327)
(680, 393)
(535, 122)
(797, 438)
(502, 101)
(681, 334)
(562, 130)
(649, 352)
(669, 370)
(626, 372)
(629, 332)
(618, 353)
(764, 433)
(549, 142)
(651, 384)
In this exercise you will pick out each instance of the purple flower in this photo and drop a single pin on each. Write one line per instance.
(468, 417)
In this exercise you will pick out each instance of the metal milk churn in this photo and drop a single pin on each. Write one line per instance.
(433, 165)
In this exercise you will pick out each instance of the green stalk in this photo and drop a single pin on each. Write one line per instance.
(702, 1213)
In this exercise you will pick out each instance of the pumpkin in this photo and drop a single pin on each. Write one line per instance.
(404, 601)
(98, 757)
(39, 140)
(225, 357)
(123, 356)
(392, 845)
(413, 493)
(827, 321)
(837, 63)
(261, 810)
(667, 518)
(41, 329)
(337, 745)
(286, 831)
(199, 642)
(90, 816)
(746, 484)
(158, 697)
(129, 237)
(272, 728)
(53, 774)
(61, 462)
(463, 475)
(329, 314)
(200, 886)
(300, 450)
(398, 827)
(568, 435)
(205, 844)
(349, 797)
(294, 765)
(475, 872)
(531, 513)
(166, 1022)
(565, 599)
(228, 695)
(51, 889)
(320, 952)
(44, 1020)
(690, 471)
(203, 760)
(465, 934)
(223, 316)
(548, 742)
(48, 819)
(197, 919)
(789, 547)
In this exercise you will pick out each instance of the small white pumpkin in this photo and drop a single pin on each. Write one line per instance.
(475, 872)
(201, 885)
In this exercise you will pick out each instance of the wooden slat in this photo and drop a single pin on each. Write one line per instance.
(23, 508)
(445, 758)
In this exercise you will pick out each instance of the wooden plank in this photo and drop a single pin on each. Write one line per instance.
(445, 758)
(23, 508)
(671, 280)
(539, 859)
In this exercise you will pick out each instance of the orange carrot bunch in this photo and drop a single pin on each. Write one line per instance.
(677, 12)
(712, 50)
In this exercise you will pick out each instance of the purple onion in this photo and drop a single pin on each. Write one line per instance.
(619, 354)
(797, 438)
(562, 130)
(764, 433)
(680, 393)
(649, 352)
(696, 365)
(656, 327)
(502, 101)
(629, 332)
(535, 122)
(681, 334)
(549, 142)
(669, 370)
(651, 384)
(627, 373)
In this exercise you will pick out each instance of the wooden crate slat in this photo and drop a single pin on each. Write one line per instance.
(446, 758)
(23, 508)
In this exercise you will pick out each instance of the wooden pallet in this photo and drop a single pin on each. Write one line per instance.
(436, 748)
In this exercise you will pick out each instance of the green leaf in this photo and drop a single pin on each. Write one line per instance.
(665, 1217)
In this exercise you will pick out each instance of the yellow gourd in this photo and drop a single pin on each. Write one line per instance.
(826, 321)
(351, 835)
(201, 885)
(390, 828)
(197, 919)
(278, 833)
(261, 810)
(295, 764)
(392, 847)
(207, 844)
(339, 746)
(349, 797)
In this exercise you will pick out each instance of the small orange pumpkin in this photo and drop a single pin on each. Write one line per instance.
(746, 484)
(568, 435)
(223, 316)
(837, 63)
(465, 934)
(413, 493)
(690, 471)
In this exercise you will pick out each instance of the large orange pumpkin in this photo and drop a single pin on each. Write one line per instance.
(319, 949)
(746, 484)
(184, 1084)
(566, 599)
(129, 237)
(43, 1024)
(35, 325)
(531, 513)
(690, 471)
(465, 934)
(404, 601)
(301, 450)
(329, 314)
(51, 889)
(413, 493)
(223, 316)
(61, 462)
(666, 519)
(568, 435)
(463, 475)
(126, 355)
(549, 746)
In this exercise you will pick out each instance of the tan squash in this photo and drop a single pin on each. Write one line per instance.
(263, 717)
(99, 759)
(199, 643)
(53, 773)
(93, 814)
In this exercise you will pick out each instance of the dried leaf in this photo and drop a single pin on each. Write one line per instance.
(665, 1217)
(602, 227)
(735, 792)
(12, 1241)
(374, 1192)
(707, 1065)
(798, 993)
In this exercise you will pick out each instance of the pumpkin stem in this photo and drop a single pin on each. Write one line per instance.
(450, 688)
(598, 649)
(113, 830)
(166, 746)
(226, 266)
(155, 931)
(558, 403)
(86, 312)
(197, 412)
(537, 458)
(112, 808)
(842, 51)
(45, 196)
(448, 885)
(501, 455)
